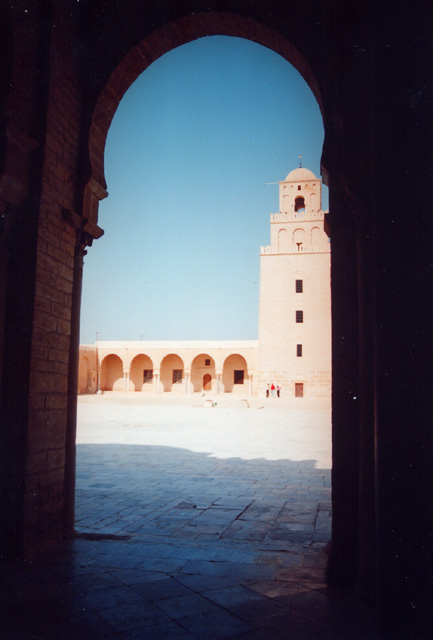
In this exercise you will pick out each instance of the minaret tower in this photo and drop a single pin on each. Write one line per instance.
(295, 293)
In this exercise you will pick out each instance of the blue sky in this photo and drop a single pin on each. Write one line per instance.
(189, 152)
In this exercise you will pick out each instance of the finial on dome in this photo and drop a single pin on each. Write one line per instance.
(300, 162)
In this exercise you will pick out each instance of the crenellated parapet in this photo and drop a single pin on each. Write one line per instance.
(293, 216)
(294, 248)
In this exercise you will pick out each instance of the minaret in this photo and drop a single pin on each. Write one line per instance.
(295, 293)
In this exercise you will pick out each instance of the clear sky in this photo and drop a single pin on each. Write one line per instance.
(189, 152)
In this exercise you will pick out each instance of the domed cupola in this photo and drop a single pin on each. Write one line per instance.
(299, 175)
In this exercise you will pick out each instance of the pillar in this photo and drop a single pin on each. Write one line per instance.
(219, 381)
(83, 239)
(156, 376)
(188, 382)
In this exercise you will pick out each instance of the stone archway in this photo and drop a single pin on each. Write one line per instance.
(202, 367)
(112, 373)
(235, 374)
(172, 374)
(141, 373)
(100, 110)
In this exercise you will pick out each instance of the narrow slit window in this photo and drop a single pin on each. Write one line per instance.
(299, 286)
(299, 316)
(299, 350)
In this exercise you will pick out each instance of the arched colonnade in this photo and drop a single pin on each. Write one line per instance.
(174, 368)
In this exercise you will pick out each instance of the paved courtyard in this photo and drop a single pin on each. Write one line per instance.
(197, 519)
(184, 469)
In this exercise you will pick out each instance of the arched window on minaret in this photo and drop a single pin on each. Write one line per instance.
(300, 204)
(316, 236)
(283, 240)
(314, 204)
(298, 239)
(286, 204)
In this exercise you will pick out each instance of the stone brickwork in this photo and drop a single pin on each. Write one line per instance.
(56, 244)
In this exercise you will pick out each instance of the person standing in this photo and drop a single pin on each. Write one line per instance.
(278, 390)
(273, 390)
(267, 390)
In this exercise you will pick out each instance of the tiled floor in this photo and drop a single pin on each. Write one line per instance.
(195, 541)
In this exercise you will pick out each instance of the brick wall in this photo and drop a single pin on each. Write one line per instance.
(48, 402)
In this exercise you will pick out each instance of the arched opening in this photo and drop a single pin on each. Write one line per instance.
(316, 236)
(314, 203)
(172, 374)
(141, 373)
(286, 203)
(299, 239)
(235, 374)
(300, 204)
(283, 239)
(202, 372)
(236, 377)
(112, 373)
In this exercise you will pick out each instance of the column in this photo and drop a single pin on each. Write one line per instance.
(188, 381)
(82, 240)
(156, 381)
(71, 424)
(250, 383)
(219, 382)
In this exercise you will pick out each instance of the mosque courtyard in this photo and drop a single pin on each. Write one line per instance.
(196, 517)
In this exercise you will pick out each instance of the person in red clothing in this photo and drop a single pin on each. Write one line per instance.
(272, 390)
